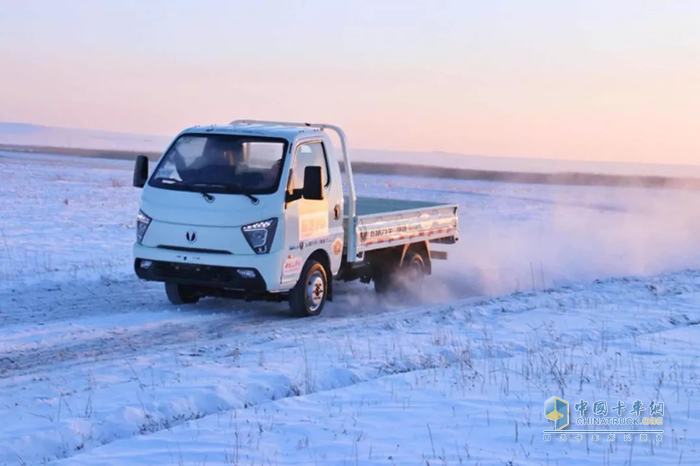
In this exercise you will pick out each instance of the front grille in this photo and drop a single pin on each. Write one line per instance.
(196, 250)
(207, 273)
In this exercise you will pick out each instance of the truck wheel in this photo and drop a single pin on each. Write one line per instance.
(180, 294)
(407, 278)
(309, 294)
(412, 273)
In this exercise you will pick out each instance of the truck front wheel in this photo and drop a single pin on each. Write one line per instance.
(180, 294)
(308, 296)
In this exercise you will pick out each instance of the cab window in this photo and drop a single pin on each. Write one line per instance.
(308, 155)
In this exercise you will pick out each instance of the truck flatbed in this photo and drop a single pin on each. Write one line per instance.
(396, 221)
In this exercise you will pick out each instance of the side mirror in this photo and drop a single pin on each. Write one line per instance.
(313, 184)
(140, 171)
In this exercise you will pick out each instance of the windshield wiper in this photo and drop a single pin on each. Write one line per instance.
(208, 197)
(227, 187)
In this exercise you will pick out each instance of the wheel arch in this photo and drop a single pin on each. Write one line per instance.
(397, 254)
(422, 248)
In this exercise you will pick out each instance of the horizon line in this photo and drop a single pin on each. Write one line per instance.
(436, 151)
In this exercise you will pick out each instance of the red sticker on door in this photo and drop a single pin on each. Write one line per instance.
(292, 266)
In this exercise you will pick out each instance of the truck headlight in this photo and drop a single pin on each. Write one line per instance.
(260, 235)
(142, 223)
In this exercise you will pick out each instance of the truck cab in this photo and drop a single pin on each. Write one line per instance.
(249, 211)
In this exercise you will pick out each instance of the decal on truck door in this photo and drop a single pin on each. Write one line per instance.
(292, 267)
(313, 225)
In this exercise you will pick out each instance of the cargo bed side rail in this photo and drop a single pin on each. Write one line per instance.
(381, 230)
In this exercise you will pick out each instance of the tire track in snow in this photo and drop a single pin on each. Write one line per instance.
(46, 303)
(214, 320)
(210, 320)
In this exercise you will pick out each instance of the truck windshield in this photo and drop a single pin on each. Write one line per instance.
(221, 163)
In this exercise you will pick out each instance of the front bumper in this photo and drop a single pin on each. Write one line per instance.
(210, 270)
(210, 276)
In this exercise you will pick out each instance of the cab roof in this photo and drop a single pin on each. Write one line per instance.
(286, 132)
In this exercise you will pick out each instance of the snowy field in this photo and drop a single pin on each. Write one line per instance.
(577, 292)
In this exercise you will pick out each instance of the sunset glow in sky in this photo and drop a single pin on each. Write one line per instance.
(588, 80)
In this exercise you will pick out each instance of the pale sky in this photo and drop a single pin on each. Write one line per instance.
(588, 80)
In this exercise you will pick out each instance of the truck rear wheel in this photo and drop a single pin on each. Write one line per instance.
(411, 273)
(180, 294)
(408, 277)
(308, 296)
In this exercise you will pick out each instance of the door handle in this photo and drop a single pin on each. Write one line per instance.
(336, 212)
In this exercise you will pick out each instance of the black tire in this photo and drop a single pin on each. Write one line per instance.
(180, 294)
(412, 273)
(407, 278)
(309, 295)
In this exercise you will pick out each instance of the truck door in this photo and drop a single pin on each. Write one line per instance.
(313, 225)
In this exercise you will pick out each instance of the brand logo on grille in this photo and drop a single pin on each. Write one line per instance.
(191, 236)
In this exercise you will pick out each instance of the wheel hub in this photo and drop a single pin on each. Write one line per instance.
(415, 272)
(315, 291)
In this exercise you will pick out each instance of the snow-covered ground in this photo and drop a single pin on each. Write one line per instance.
(576, 292)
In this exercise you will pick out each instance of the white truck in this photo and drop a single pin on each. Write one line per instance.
(257, 210)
